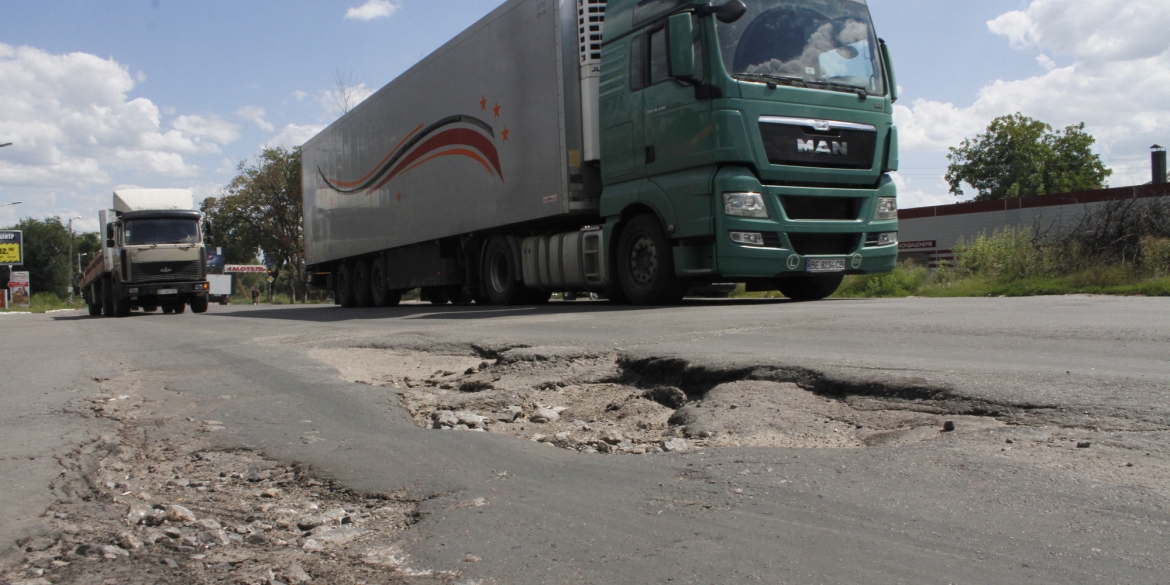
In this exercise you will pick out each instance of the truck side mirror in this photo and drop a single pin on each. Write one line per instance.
(729, 12)
(109, 235)
(888, 63)
(682, 48)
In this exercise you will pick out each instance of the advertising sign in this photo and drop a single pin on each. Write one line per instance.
(11, 247)
(18, 287)
(215, 258)
(243, 269)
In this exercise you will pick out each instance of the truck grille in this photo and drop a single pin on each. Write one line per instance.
(144, 272)
(818, 143)
(823, 208)
(824, 244)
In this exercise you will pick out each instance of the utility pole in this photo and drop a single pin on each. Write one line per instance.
(71, 258)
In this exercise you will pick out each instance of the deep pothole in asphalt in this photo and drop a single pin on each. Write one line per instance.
(594, 402)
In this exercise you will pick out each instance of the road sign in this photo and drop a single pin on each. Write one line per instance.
(243, 269)
(18, 285)
(11, 247)
(271, 280)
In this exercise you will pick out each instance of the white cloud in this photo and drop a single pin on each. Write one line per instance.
(73, 123)
(255, 115)
(294, 135)
(909, 196)
(331, 100)
(300, 95)
(372, 9)
(1117, 83)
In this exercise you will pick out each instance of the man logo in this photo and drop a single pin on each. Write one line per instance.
(823, 147)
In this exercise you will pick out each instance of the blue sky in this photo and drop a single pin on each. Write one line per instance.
(174, 93)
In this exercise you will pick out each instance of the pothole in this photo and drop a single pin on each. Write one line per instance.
(593, 402)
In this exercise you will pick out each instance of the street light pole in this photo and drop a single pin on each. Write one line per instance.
(71, 258)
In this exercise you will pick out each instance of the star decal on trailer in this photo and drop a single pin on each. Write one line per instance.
(497, 109)
(505, 133)
(483, 104)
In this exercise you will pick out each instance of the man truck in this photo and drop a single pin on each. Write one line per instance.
(630, 148)
(152, 256)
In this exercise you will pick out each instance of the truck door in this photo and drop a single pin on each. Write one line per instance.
(621, 86)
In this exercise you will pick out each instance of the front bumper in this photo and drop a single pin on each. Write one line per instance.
(165, 289)
(791, 243)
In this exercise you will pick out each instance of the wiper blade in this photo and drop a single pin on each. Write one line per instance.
(836, 85)
(785, 79)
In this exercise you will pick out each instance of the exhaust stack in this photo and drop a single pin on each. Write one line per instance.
(1158, 163)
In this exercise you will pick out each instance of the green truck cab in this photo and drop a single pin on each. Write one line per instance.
(760, 135)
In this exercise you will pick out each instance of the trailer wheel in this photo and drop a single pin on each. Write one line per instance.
(499, 273)
(809, 288)
(362, 295)
(381, 296)
(343, 283)
(646, 264)
(199, 305)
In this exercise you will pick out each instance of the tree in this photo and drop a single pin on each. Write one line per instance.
(1019, 156)
(260, 211)
(46, 254)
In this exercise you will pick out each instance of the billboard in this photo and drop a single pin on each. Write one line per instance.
(11, 247)
(18, 287)
(244, 269)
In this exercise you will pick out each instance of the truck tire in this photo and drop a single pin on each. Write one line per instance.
(180, 308)
(199, 305)
(149, 308)
(381, 296)
(499, 275)
(108, 297)
(362, 295)
(343, 283)
(645, 264)
(94, 300)
(168, 308)
(809, 288)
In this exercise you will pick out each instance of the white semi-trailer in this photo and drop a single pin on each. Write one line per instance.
(152, 255)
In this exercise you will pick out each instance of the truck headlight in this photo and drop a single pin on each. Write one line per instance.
(745, 205)
(748, 238)
(887, 208)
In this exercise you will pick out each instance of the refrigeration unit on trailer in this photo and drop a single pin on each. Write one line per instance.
(630, 148)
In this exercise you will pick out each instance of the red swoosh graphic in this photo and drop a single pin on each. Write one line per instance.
(454, 137)
(381, 162)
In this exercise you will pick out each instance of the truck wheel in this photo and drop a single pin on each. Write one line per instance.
(94, 300)
(499, 274)
(381, 296)
(343, 281)
(809, 288)
(199, 305)
(362, 295)
(168, 308)
(646, 264)
(108, 297)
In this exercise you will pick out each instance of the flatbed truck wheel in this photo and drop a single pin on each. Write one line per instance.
(362, 295)
(94, 301)
(107, 297)
(343, 285)
(149, 308)
(199, 305)
(809, 288)
(180, 308)
(646, 264)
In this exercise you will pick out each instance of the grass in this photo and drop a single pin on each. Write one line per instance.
(45, 302)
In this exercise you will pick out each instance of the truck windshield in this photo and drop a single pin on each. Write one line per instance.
(142, 232)
(823, 44)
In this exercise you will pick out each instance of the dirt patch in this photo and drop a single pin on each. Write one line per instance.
(157, 502)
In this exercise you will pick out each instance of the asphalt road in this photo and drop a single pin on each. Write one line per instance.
(951, 510)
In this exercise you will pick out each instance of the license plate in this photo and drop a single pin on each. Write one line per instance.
(837, 265)
(175, 291)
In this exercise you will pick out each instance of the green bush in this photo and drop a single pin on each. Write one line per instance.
(907, 279)
(1155, 256)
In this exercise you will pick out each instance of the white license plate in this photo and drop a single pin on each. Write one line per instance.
(175, 291)
(837, 265)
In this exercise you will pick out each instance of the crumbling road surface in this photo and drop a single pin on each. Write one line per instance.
(898, 441)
